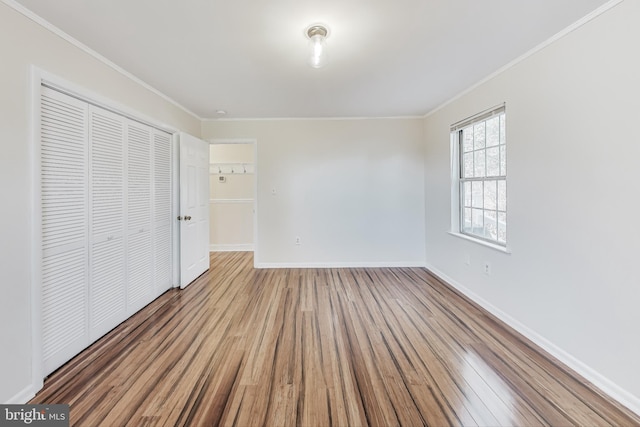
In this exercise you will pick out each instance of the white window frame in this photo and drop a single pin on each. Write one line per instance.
(458, 180)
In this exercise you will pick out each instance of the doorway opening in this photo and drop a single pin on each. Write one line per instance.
(232, 174)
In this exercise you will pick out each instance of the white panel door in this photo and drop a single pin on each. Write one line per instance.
(194, 208)
(107, 285)
(140, 289)
(63, 168)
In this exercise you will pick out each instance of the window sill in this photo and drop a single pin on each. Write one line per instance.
(498, 248)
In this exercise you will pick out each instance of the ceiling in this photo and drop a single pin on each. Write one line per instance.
(387, 58)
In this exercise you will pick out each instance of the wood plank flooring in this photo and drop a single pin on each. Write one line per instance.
(320, 347)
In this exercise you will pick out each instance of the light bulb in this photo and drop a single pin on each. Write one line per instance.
(317, 35)
(318, 51)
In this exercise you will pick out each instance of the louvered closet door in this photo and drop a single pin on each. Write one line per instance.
(106, 222)
(107, 287)
(64, 227)
(140, 289)
(162, 211)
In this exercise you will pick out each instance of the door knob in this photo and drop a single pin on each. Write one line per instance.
(188, 218)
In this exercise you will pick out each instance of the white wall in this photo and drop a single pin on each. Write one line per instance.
(350, 189)
(572, 279)
(231, 153)
(25, 43)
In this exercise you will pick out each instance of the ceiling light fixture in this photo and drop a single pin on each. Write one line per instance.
(317, 35)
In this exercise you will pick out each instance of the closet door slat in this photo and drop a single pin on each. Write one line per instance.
(63, 166)
(140, 289)
(107, 287)
(162, 210)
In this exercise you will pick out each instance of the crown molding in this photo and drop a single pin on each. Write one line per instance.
(579, 23)
(265, 119)
(68, 38)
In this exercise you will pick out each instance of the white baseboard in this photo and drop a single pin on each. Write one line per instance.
(22, 397)
(356, 264)
(231, 248)
(613, 390)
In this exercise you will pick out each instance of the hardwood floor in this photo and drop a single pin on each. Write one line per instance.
(320, 347)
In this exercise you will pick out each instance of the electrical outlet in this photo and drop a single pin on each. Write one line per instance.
(298, 240)
(487, 268)
(467, 260)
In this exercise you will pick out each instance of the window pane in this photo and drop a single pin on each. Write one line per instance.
(476, 194)
(490, 195)
(493, 161)
(478, 135)
(466, 220)
(493, 131)
(478, 164)
(502, 195)
(490, 226)
(502, 227)
(482, 181)
(503, 160)
(467, 139)
(466, 194)
(468, 166)
(477, 225)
